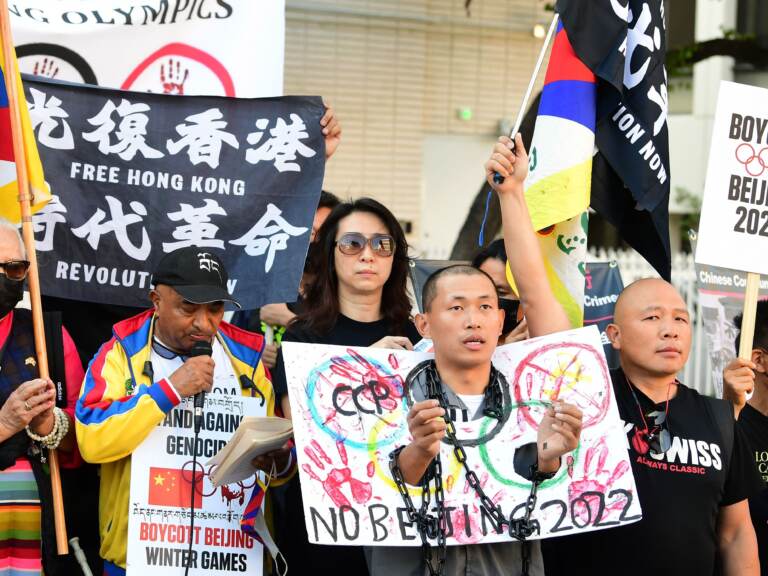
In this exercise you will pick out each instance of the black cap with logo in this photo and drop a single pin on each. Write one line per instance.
(196, 273)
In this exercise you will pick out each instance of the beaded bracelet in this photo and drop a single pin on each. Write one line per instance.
(56, 435)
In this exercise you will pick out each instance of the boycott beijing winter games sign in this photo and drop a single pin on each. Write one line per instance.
(136, 175)
(161, 495)
(351, 406)
(733, 232)
(192, 47)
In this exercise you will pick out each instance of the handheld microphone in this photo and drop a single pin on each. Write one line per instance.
(200, 348)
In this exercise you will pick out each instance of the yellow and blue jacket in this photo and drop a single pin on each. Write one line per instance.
(119, 406)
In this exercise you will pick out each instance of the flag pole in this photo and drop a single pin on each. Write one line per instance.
(25, 200)
(498, 178)
(532, 82)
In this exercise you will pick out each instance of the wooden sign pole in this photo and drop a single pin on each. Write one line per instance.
(748, 318)
(25, 200)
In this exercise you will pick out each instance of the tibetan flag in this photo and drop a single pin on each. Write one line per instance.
(9, 190)
(173, 487)
(557, 189)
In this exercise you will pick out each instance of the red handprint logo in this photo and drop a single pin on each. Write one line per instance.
(172, 78)
(596, 481)
(336, 478)
(47, 68)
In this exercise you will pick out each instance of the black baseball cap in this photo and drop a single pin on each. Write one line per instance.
(198, 274)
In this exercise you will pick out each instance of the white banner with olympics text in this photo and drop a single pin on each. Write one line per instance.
(350, 407)
(185, 47)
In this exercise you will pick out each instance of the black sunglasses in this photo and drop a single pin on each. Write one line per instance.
(352, 243)
(15, 269)
(658, 438)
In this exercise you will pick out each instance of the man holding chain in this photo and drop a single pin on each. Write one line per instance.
(462, 317)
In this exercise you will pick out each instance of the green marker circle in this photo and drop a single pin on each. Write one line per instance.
(559, 477)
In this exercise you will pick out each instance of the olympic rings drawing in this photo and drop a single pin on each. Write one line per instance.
(754, 163)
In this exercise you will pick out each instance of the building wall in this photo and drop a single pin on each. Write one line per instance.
(397, 71)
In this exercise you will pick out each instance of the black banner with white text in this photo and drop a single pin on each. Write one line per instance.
(135, 176)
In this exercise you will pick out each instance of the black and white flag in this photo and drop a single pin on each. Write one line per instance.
(136, 175)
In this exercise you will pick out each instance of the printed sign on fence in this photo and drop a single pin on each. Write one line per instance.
(733, 232)
(351, 405)
(135, 176)
(162, 496)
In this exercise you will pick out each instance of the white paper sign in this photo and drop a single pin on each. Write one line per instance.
(161, 496)
(733, 232)
(350, 407)
(200, 47)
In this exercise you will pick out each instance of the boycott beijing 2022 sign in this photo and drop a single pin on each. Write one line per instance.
(733, 232)
(350, 407)
(192, 47)
(161, 495)
(135, 176)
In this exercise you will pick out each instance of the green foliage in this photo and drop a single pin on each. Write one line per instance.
(689, 220)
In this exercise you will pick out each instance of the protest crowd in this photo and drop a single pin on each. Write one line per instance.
(460, 423)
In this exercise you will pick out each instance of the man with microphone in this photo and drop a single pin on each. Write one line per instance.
(179, 348)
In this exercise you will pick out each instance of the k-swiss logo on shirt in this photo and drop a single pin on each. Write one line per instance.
(685, 455)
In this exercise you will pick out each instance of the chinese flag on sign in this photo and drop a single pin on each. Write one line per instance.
(173, 487)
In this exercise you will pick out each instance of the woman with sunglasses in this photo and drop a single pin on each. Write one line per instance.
(493, 261)
(30, 424)
(358, 298)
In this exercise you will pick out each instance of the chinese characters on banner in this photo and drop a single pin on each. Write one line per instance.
(134, 176)
(161, 496)
(186, 47)
(351, 406)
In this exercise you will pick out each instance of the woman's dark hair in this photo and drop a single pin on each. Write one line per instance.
(321, 301)
(328, 200)
(494, 250)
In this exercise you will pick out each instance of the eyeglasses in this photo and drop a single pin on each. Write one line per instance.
(352, 243)
(15, 269)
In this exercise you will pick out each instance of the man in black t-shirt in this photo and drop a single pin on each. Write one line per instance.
(739, 377)
(691, 464)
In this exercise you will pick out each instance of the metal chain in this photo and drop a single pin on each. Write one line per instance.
(435, 527)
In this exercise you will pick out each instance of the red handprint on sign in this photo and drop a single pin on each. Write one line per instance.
(46, 68)
(172, 78)
(336, 478)
(595, 483)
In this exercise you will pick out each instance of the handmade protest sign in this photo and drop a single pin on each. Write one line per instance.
(200, 47)
(733, 231)
(350, 407)
(161, 497)
(134, 176)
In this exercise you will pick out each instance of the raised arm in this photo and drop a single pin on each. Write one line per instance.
(543, 312)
